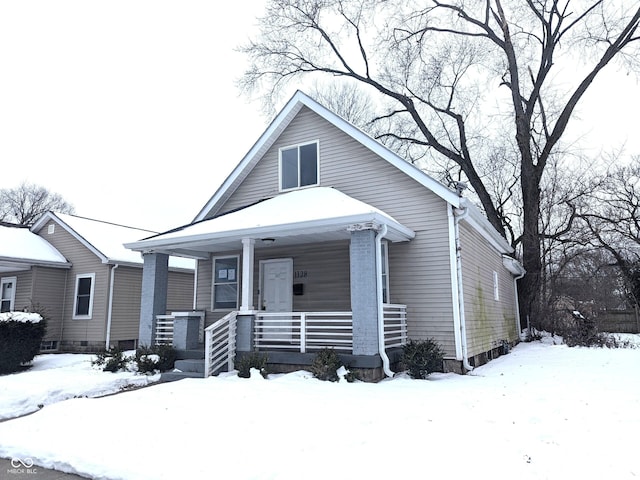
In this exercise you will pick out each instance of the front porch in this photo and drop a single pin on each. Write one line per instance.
(289, 339)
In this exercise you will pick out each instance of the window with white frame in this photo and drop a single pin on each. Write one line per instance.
(7, 294)
(496, 287)
(384, 251)
(225, 283)
(299, 166)
(83, 303)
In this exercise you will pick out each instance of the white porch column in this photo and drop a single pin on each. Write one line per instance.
(247, 274)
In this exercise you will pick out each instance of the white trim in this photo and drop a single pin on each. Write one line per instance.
(384, 273)
(496, 286)
(213, 282)
(453, 272)
(297, 146)
(88, 316)
(248, 249)
(12, 299)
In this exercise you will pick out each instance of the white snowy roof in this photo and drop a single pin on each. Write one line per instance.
(311, 214)
(106, 239)
(20, 248)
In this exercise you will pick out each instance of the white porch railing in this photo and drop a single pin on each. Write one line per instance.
(164, 330)
(395, 325)
(220, 344)
(303, 331)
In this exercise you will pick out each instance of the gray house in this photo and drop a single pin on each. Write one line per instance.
(88, 284)
(323, 237)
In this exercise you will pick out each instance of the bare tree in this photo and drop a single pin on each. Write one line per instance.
(442, 66)
(24, 204)
(615, 223)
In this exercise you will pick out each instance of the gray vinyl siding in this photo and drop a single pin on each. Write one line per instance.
(42, 289)
(125, 316)
(83, 261)
(179, 292)
(326, 277)
(48, 292)
(24, 288)
(488, 322)
(419, 270)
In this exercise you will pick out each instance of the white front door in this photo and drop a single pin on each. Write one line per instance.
(276, 284)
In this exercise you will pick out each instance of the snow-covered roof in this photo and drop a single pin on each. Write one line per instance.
(20, 249)
(277, 126)
(106, 240)
(311, 214)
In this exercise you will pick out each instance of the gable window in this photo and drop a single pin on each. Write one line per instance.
(299, 166)
(7, 294)
(385, 272)
(83, 304)
(225, 283)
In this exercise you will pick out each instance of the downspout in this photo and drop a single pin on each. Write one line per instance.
(110, 311)
(381, 346)
(460, 214)
(64, 305)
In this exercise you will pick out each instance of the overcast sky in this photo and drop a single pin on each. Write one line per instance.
(129, 108)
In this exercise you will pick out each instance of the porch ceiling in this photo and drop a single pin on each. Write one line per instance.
(311, 215)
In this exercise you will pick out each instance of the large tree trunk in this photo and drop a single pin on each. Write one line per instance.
(529, 286)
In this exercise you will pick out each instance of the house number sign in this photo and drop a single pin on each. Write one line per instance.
(300, 274)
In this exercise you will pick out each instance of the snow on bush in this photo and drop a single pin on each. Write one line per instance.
(20, 317)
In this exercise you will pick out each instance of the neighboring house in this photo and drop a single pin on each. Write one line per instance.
(77, 271)
(321, 236)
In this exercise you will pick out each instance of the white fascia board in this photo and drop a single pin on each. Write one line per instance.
(382, 151)
(297, 228)
(513, 265)
(480, 223)
(276, 126)
(27, 262)
(52, 216)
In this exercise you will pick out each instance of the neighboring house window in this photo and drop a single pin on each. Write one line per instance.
(225, 283)
(83, 305)
(7, 294)
(51, 229)
(385, 272)
(496, 287)
(299, 166)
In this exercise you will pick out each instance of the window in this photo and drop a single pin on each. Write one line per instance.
(51, 229)
(7, 294)
(83, 305)
(225, 283)
(48, 345)
(385, 272)
(496, 287)
(299, 166)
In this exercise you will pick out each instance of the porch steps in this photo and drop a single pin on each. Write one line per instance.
(190, 364)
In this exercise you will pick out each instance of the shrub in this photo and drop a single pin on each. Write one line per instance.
(422, 357)
(158, 357)
(583, 332)
(112, 360)
(20, 337)
(325, 365)
(252, 360)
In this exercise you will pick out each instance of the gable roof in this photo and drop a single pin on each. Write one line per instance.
(106, 240)
(297, 216)
(20, 249)
(277, 126)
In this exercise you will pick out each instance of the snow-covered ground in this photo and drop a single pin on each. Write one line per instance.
(54, 378)
(542, 412)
